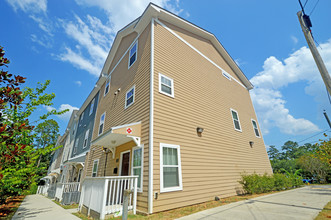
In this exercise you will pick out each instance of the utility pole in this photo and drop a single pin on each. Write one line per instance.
(305, 26)
(327, 118)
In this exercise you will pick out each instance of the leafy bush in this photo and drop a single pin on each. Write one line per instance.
(255, 183)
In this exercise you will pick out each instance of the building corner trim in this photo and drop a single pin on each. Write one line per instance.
(151, 125)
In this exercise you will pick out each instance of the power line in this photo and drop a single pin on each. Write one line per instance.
(305, 4)
(314, 135)
(314, 8)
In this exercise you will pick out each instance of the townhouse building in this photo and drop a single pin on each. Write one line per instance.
(174, 121)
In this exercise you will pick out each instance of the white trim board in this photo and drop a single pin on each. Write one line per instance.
(196, 50)
(120, 167)
(151, 125)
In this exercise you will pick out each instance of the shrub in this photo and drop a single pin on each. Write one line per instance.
(255, 183)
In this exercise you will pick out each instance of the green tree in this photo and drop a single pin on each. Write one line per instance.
(46, 134)
(314, 167)
(18, 155)
(273, 153)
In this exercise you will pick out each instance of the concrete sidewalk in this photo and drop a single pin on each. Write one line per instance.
(40, 207)
(303, 203)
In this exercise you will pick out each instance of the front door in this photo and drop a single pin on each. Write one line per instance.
(125, 160)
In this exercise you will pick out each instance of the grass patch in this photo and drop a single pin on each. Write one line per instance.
(180, 212)
(325, 213)
(8, 209)
(72, 206)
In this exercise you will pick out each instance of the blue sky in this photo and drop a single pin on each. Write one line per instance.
(68, 41)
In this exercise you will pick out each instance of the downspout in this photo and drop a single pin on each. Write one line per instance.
(151, 125)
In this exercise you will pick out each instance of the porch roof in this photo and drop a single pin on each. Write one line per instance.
(77, 159)
(119, 135)
(112, 140)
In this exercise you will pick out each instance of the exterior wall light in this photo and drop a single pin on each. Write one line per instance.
(251, 143)
(199, 130)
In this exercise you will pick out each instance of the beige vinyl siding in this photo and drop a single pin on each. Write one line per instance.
(211, 164)
(116, 114)
(124, 45)
(204, 46)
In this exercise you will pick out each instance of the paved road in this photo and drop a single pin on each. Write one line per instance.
(42, 208)
(303, 203)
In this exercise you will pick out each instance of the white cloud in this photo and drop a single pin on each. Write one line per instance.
(80, 62)
(92, 42)
(65, 116)
(43, 25)
(294, 39)
(93, 38)
(122, 12)
(34, 6)
(269, 103)
(79, 83)
(43, 41)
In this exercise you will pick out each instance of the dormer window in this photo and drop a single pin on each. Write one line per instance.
(107, 87)
(92, 106)
(133, 54)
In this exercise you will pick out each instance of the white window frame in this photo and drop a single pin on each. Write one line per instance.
(96, 173)
(74, 129)
(257, 128)
(107, 85)
(130, 55)
(76, 146)
(172, 86)
(133, 95)
(79, 176)
(226, 75)
(141, 167)
(103, 127)
(121, 158)
(92, 106)
(87, 134)
(234, 125)
(176, 188)
(81, 118)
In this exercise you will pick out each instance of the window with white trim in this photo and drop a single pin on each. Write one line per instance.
(81, 117)
(133, 54)
(166, 85)
(76, 146)
(235, 118)
(74, 129)
(170, 170)
(92, 106)
(79, 174)
(226, 75)
(102, 122)
(95, 168)
(137, 165)
(86, 138)
(256, 130)
(129, 97)
(107, 87)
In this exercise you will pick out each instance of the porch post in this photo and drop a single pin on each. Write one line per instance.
(104, 198)
(135, 195)
(81, 199)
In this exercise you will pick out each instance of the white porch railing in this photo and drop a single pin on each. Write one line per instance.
(59, 190)
(71, 187)
(42, 190)
(105, 194)
(66, 188)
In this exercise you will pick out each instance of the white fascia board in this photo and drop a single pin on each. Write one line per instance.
(181, 23)
(125, 125)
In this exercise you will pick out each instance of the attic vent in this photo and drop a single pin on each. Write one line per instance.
(226, 75)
